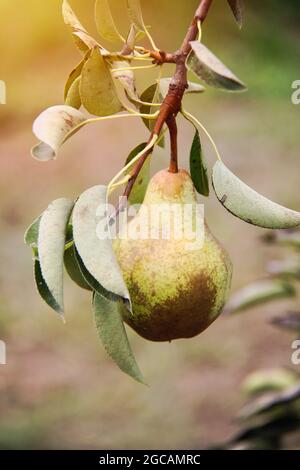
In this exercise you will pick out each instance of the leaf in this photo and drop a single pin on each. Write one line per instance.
(211, 70)
(270, 403)
(52, 127)
(76, 72)
(264, 380)
(237, 10)
(105, 23)
(43, 289)
(95, 251)
(73, 269)
(151, 95)
(51, 246)
(126, 78)
(258, 293)
(284, 268)
(73, 98)
(164, 84)
(135, 14)
(198, 166)
(290, 321)
(32, 233)
(113, 335)
(250, 206)
(97, 90)
(82, 39)
(138, 191)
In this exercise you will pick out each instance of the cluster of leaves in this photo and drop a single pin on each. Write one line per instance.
(282, 280)
(104, 84)
(272, 413)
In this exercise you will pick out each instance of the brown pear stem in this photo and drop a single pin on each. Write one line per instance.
(171, 105)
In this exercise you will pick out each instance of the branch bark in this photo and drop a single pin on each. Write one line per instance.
(172, 102)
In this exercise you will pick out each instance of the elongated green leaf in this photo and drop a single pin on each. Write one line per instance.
(265, 380)
(82, 39)
(164, 84)
(259, 293)
(73, 98)
(97, 90)
(205, 65)
(105, 22)
(245, 203)
(43, 289)
(51, 246)
(151, 95)
(237, 10)
(138, 191)
(73, 269)
(135, 14)
(52, 127)
(289, 321)
(198, 166)
(94, 245)
(32, 233)
(113, 335)
(126, 78)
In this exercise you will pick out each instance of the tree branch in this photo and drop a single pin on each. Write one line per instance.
(171, 105)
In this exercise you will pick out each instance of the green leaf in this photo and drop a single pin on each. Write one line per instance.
(52, 127)
(164, 84)
(73, 98)
(113, 335)
(151, 95)
(82, 39)
(198, 166)
(32, 233)
(126, 78)
(51, 246)
(43, 289)
(203, 63)
(290, 321)
(105, 23)
(258, 293)
(97, 90)
(138, 191)
(245, 203)
(266, 380)
(135, 14)
(94, 245)
(237, 10)
(73, 269)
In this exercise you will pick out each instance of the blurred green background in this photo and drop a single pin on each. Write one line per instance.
(59, 389)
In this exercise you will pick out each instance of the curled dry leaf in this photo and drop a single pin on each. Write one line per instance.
(126, 78)
(205, 65)
(111, 330)
(94, 245)
(52, 127)
(97, 89)
(82, 39)
(250, 206)
(51, 247)
(258, 293)
(135, 14)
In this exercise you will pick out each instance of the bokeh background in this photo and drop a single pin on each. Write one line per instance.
(59, 389)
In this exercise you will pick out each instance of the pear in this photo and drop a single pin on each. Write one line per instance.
(177, 288)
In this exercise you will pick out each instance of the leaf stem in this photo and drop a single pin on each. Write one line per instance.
(196, 122)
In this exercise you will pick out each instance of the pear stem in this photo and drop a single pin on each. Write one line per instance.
(172, 125)
(171, 105)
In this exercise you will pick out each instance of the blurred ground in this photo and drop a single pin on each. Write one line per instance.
(59, 390)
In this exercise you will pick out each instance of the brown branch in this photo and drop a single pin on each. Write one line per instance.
(172, 102)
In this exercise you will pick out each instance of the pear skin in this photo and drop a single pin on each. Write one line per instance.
(176, 292)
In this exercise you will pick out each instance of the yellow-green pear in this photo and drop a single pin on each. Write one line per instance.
(178, 285)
